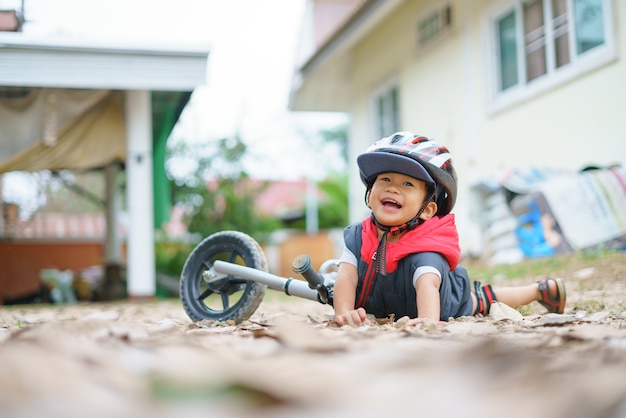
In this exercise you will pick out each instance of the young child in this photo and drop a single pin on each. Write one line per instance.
(403, 259)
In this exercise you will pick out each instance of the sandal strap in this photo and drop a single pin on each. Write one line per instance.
(490, 296)
(485, 297)
(553, 304)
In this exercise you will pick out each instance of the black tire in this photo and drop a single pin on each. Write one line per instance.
(232, 297)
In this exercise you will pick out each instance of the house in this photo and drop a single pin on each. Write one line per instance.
(503, 83)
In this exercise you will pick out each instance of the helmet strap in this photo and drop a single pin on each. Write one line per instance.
(381, 250)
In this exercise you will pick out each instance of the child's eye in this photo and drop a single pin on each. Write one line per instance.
(387, 179)
(408, 184)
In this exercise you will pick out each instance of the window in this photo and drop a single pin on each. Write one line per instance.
(433, 25)
(508, 51)
(14, 92)
(589, 21)
(538, 39)
(386, 111)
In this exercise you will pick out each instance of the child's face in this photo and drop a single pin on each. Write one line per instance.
(396, 198)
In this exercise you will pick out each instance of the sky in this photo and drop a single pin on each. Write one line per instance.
(252, 46)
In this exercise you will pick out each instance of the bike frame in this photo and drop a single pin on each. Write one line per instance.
(290, 286)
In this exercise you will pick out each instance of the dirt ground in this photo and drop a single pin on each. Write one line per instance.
(136, 359)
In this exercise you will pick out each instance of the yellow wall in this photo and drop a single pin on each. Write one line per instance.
(444, 94)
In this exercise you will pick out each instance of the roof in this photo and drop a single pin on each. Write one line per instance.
(93, 64)
(76, 69)
(283, 199)
(322, 82)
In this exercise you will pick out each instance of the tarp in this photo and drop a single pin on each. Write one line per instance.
(590, 207)
(73, 129)
(85, 132)
(542, 212)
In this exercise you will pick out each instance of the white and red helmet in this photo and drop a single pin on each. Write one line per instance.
(416, 156)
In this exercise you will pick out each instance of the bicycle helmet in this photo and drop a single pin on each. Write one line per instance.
(416, 156)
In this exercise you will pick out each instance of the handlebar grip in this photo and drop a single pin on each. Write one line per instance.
(302, 265)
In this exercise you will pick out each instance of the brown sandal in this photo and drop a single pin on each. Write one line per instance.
(553, 305)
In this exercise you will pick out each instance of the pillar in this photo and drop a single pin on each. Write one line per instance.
(141, 273)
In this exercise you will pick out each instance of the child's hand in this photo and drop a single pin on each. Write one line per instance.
(426, 323)
(354, 318)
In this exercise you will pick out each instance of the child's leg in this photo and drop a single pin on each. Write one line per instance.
(549, 292)
(516, 296)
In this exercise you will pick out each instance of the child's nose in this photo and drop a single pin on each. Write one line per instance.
(392, 187)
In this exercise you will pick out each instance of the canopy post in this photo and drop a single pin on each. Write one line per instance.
(141, 271)
(113, 287)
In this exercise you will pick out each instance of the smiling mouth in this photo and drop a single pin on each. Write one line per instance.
(391, 203)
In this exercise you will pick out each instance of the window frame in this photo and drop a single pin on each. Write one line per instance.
(383, 91)
(579, 64)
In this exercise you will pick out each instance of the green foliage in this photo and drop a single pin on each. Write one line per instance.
(170, 256)
(333, 205)
(218, 195)
(600, 252)
(589, 305)
(539, 267)
(229, 205)
(333, 211)
(339, 136)
(525, 268)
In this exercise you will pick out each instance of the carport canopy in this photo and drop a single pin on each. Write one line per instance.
(85, 104)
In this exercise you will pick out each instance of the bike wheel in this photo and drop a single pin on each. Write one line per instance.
(229, 298)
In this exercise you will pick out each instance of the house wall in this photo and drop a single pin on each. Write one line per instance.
(430, 82)
(445, 94)
(569, 126)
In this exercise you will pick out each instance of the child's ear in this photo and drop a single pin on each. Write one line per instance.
(430, 211)
(367, 198)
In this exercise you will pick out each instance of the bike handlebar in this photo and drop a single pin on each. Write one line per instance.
(302, 265)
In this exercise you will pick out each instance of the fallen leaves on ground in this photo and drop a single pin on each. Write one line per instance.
(134, 359)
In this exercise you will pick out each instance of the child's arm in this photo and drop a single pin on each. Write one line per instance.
(428, 299)
(344, 296)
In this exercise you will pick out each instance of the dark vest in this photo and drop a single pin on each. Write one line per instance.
(395, 293)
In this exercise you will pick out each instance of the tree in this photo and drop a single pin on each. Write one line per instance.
(219, 195)
(333, 211)
(339, 136)
(333, 206)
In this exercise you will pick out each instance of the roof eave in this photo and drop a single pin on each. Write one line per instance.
(322, 83)
(93, 65)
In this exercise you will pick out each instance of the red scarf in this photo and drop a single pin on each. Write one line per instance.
(438, 234)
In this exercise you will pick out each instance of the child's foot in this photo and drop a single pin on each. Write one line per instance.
(552, 294)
